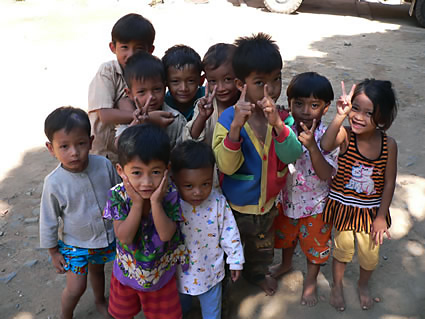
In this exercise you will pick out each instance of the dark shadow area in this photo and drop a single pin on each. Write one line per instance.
(398, 14)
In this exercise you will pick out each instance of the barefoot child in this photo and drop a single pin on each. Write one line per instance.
(303, 198)
(76, 191)
(253, 145)
(145, 210)
(362, 190)
(209, 228)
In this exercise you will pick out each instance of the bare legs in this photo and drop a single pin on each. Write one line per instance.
(286, 264)
(337, 293)
(366, 301)
(77, 284)
(309, 296)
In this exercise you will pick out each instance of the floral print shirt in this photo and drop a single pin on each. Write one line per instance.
(210, 231)
(305, 193)
(148, 263)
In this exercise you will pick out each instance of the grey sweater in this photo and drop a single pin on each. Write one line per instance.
(78, 199)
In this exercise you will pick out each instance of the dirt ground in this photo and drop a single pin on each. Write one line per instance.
(52, 49)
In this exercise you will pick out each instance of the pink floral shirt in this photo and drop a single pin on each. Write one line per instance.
(305, 193)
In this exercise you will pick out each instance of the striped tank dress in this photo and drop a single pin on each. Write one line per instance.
(356, 190)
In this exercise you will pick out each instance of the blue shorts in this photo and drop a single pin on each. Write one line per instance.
(77, 259)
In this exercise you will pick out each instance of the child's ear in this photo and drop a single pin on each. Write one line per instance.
(112, 47)
(239, 84)
(91, 141)
(120, 170)
(326, 108)
(151, 49)
(50, 148)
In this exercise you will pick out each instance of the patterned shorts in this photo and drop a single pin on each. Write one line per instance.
(77, 259)
(312, 232)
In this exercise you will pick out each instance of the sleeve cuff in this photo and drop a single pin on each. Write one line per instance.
(236, 266)
(233, 146)
(283, 134)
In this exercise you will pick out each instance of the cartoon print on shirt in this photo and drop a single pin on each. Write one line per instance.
(361, 180)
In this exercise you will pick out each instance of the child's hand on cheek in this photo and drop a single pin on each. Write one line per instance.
(235, 274)
(159, 193)
(132, 193)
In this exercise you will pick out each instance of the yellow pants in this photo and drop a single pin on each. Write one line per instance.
(368, 251)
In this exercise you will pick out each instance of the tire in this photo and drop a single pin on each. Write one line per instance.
(420, 12)
(283, 6)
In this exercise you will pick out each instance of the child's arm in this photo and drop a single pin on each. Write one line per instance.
(321, 167)
(336, 134)
(125, 230)
(205, 109)
(287, 146)
(230, 240)
(163, 224)
(379, 225)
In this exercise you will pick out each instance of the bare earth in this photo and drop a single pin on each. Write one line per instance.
(52, 48)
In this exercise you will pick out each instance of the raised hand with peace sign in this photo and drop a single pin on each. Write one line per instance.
(343, 104)
(306, 137)
(243, 111)
(205, 104)
(268, 106)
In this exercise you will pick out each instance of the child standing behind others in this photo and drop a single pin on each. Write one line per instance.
(209, 229)
(363, 188)
(108, 104)
(183, 68)
(253, 145)
(220, 92)
(76, 192)
(303, 198)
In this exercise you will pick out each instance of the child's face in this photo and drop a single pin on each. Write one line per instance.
(183, 83)
(194, 185)
(145, 178)
(360, 117)
(255, 85)
(145, 88)
(306, 109)
(223, 78)
(124, 51)
(71, 149)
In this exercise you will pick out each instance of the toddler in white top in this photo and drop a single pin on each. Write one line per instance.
(209, 228)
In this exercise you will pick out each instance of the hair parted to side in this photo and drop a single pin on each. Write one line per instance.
(310, 84)
(384, 101)
(179, 56)
(133, 27)
(143, 66)
(68, 118)
(257, 53)
(191, 155)
(146, 141)
(217, 55)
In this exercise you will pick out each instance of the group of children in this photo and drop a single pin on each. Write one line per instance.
(180, 183)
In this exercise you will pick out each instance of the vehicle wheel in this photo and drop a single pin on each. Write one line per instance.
(420, 12)
(282, 6)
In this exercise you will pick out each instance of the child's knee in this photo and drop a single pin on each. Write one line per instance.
(75, 284)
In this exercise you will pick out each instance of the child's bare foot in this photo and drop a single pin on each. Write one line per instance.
(309, 296)
(366, 302)
(269, 285)
(337, 298)
(279, 270)
(102, 308)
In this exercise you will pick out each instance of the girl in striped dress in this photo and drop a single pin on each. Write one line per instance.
(362, 190)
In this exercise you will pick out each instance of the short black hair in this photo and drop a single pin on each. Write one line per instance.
(217, 55)
(191, 155)
(310, 84)
(179, 56)
(142, 66)
(133, 27)
(384, 101)
(257, 53)
(146, 141)
(68, 118)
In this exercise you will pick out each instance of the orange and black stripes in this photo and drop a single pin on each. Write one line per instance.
(356, 190)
